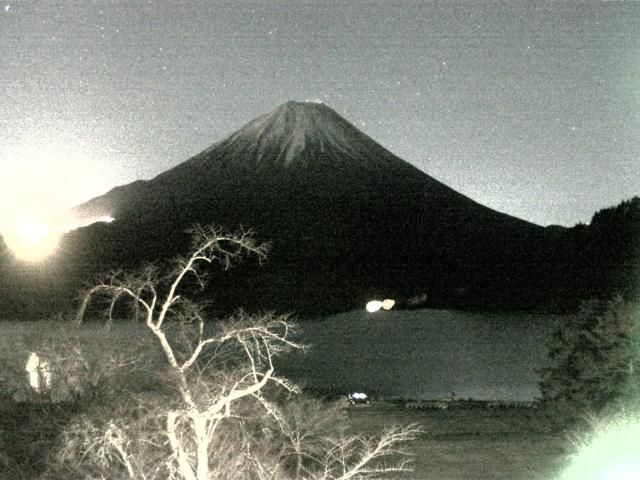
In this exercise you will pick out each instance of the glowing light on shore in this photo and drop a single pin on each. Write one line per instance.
(387, 304)
(612, 454)
(374, 306)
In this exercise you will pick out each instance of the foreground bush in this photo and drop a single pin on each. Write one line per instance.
(28, 436)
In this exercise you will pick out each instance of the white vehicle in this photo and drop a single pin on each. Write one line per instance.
(358, 398)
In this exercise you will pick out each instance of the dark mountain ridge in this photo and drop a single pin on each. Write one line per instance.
(348, 221)
(303, 145)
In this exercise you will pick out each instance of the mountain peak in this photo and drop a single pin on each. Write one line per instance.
(301, 131)
(303, 108)
(299, 117)
(306, 106)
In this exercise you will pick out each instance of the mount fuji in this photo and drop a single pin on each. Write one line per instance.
(348, 221)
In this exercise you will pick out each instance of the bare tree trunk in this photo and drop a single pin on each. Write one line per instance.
(181, 457)
(298, 449)
(202, 445)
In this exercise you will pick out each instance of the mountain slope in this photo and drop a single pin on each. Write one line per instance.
(307, 145)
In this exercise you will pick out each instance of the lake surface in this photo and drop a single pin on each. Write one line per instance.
(423, 354)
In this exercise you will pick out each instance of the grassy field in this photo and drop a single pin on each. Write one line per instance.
(457, 444)
(474, 444)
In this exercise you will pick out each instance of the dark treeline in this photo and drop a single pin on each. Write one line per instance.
(550, 269)
(604, 256)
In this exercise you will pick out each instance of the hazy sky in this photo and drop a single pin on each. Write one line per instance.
(531, 108)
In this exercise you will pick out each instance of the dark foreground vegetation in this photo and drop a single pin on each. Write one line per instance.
(29, 436)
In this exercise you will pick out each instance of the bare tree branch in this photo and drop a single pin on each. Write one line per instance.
(218, 368)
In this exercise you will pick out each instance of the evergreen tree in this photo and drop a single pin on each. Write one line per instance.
(594, 357)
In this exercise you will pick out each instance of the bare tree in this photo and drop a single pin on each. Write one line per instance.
(359, 456)
(307, 425)
(318, 444)
(215, 369)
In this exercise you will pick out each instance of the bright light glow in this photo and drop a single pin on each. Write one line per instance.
(611, 454)
(374, 306)
(31, 240)
(45, 173)
(32, 231)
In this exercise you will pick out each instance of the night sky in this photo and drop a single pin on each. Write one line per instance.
(532, 109)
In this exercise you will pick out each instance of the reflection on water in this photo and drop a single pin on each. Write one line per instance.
(424, 354)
